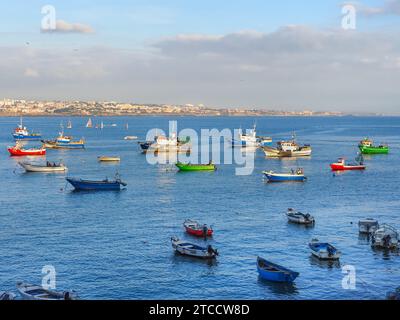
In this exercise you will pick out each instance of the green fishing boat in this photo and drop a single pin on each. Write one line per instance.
(196, 167)
(366, 147)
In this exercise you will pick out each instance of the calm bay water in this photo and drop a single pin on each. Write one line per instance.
(116, 245)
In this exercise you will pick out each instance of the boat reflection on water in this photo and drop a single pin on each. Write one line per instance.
(179, 259)
(386, 254)
(279, 288)
(324, 264)
(364, 239)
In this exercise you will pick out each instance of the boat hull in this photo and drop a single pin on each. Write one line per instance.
(21, 152)
(374, 150)
(272, 272)
(36, 168)
(276, 177)
(341, 167)
(194, 167)
(28, 137)
(86, 185)
(109, 159)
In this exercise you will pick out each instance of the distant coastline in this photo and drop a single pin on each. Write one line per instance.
(14, 108)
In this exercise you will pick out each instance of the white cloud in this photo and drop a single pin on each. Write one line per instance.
(66, 27)
(388, 7)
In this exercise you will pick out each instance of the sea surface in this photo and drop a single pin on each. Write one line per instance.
(116, 245)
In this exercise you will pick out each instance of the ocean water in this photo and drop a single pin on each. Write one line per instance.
(116, 245)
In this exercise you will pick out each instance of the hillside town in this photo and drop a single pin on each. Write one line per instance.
(13, 107)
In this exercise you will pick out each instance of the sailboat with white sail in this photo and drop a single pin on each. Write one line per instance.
(89, 124)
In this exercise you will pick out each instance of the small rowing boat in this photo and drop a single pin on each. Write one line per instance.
(5, 295)
(385, 237)
(196, 167)
(366, 146)
(193, 250)
(48, 167)
(274, 272)
(368, 226)
(18, 151)
(341, 165)
(34, 292)
(130, 138)
(296, 176)
(299, 217)
(323, 250)
(196, 229)
(108, 159)
(96, 185)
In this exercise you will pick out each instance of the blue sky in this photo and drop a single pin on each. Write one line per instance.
(146, 32)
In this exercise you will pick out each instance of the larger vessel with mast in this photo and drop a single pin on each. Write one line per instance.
(22, 133)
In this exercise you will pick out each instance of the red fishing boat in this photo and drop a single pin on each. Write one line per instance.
(341, 165)
(196, 229)
(19, 152)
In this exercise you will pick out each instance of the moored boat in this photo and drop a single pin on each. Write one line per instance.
(288, 148)
(323, 250)
(5, 295)
(385, 237)
(18, 151)
(166, 144)
(368, 225)
(130, 138)
(366, 146)
(196, 167)
(250, 139)
(48, 167)
(341, 165)
(299, 217)
(193, 250)
(22, 133)
(35, 292)
(108, 159)
(296, 176)
(196, 229)
(57, 144)
(274, 272)
(96, 185)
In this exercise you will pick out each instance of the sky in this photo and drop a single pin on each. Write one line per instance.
(285, 55)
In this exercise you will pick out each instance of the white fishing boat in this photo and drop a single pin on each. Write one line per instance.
(368, 225)
(299, 217)
(288, 148)
(385, 237)
(250, 139)
(193, 250)
(323, 250)
(48, 167)
(34, 292)
(5, 295)
(163, 144)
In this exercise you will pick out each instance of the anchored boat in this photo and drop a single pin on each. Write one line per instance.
(196, 229)
(341, 165)
(385, 237)
(196, 167)
(95, 185)
(18, 151)
(34, 292)
(323, 250)
(193, 250)
(48, 167)
(366, 146)
(297, 176)
(22, 133)
(5, 296)
(108, 159)
(250, 139)
(164, 144)
(288, 148)
(299, 217)
(368, 225)
(274, 272)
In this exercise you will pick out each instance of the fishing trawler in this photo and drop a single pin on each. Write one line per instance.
(366, 146)
(163, 144)
(21, 133)
(288, 148)
(250, 139)
(341, 164)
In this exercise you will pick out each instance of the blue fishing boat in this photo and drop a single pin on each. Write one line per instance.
(273, 272)
(297, 176)
(93, 185)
